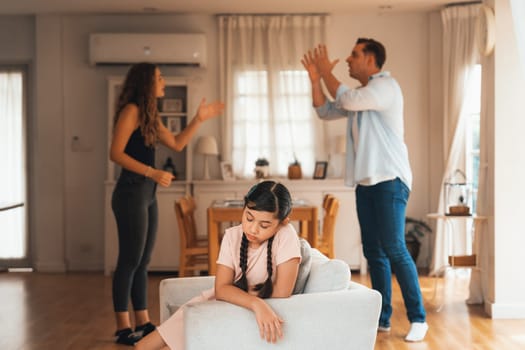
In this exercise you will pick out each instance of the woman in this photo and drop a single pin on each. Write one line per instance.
(137, 129)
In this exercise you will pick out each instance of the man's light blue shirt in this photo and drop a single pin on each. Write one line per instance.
(381, 151)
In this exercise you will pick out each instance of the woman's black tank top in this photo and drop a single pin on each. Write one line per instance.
(136, 149)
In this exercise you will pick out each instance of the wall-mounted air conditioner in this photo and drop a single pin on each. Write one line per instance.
(128, 48)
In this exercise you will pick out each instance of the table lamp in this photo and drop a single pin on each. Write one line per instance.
(207, 146)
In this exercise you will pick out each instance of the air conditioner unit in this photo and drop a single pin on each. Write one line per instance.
(128, 48)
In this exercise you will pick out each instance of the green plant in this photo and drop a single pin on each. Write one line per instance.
(415, 230)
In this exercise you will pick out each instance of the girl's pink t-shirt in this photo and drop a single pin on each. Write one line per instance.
(285, 246)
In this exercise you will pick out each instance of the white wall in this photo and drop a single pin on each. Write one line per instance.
(504, 277)
(17, 35)
(72, 101)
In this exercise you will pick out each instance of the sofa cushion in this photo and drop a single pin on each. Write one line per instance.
(304, 267)
(327, 274)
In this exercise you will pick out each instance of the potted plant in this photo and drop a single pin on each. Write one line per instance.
(415, 230)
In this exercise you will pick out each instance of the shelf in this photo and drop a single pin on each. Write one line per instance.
(462, 260)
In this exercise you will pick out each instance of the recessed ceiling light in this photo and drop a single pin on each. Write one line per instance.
(150, 9)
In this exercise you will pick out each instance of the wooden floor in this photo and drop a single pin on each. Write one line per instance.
(73, 311)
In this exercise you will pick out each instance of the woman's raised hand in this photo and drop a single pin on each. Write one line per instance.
(210, 110)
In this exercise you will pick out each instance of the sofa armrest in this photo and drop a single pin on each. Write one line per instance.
(344, 319)
(174, 292)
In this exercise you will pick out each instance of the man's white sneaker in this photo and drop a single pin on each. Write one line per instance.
(417, 332)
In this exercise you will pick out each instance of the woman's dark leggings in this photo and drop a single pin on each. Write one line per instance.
(135, 208)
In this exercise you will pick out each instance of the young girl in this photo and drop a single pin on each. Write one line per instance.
(137, 130)
(258, 259)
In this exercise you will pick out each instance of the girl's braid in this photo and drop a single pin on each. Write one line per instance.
(265, 289)
(242, 283)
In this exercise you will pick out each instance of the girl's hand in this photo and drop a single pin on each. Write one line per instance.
(162, 177)
(270, 325)
(208, 111)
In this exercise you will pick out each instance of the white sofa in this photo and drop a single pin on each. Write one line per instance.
(332, 313)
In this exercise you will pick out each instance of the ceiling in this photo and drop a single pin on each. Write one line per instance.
(24, 7)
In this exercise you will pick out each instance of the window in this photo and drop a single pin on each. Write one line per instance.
(472, 129)
(13, 239)
(273, 119)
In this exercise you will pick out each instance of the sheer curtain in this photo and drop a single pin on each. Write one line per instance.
(12, 177)
(460, 54)
(267, 91)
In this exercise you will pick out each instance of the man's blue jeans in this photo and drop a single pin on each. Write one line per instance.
(381, 212)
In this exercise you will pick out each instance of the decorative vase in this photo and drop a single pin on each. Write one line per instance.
(294, 171)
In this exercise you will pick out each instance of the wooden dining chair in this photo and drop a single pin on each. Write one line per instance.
(193, 249)
(325, 242)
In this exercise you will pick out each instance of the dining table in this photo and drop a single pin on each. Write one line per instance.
(221, 211)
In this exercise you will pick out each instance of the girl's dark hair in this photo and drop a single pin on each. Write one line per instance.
(375, 48)
(139, 89)
(275, 198)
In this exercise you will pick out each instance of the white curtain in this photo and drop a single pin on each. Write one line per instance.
(267, 91)
(12, 177)
(517, 8)
(460, 54)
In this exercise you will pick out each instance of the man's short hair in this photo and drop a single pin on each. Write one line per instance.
(375, 48)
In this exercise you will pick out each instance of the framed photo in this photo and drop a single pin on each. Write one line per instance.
(227, 171)
(173, 105)
(174, 124)
(320, 170)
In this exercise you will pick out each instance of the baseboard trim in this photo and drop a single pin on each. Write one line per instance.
(50, 266)
(80, 266)
(505, 311)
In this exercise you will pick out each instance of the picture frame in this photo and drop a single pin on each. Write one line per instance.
(174, 124)
(172, 105)
(227, 171)
(320, 170)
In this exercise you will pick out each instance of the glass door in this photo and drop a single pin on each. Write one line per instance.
(14, 245)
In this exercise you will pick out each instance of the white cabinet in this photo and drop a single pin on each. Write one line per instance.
(173, 110)
(347, 232)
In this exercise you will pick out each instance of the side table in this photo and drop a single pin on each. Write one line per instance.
(458, 261)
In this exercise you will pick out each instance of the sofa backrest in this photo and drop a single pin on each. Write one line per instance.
(318, 273)
(327, 274)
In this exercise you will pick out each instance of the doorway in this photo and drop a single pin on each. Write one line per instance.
(14, 238)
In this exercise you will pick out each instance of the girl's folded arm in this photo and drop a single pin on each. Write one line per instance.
(285, 278)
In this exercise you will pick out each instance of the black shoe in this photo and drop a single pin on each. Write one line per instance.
(146, 329)
(126, 336)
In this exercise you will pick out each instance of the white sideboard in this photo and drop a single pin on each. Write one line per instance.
(347, 232)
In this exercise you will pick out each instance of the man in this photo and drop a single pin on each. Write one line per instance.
(377, 164)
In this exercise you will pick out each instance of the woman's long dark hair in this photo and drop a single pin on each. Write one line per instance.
(275, 198)
(139, 88)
